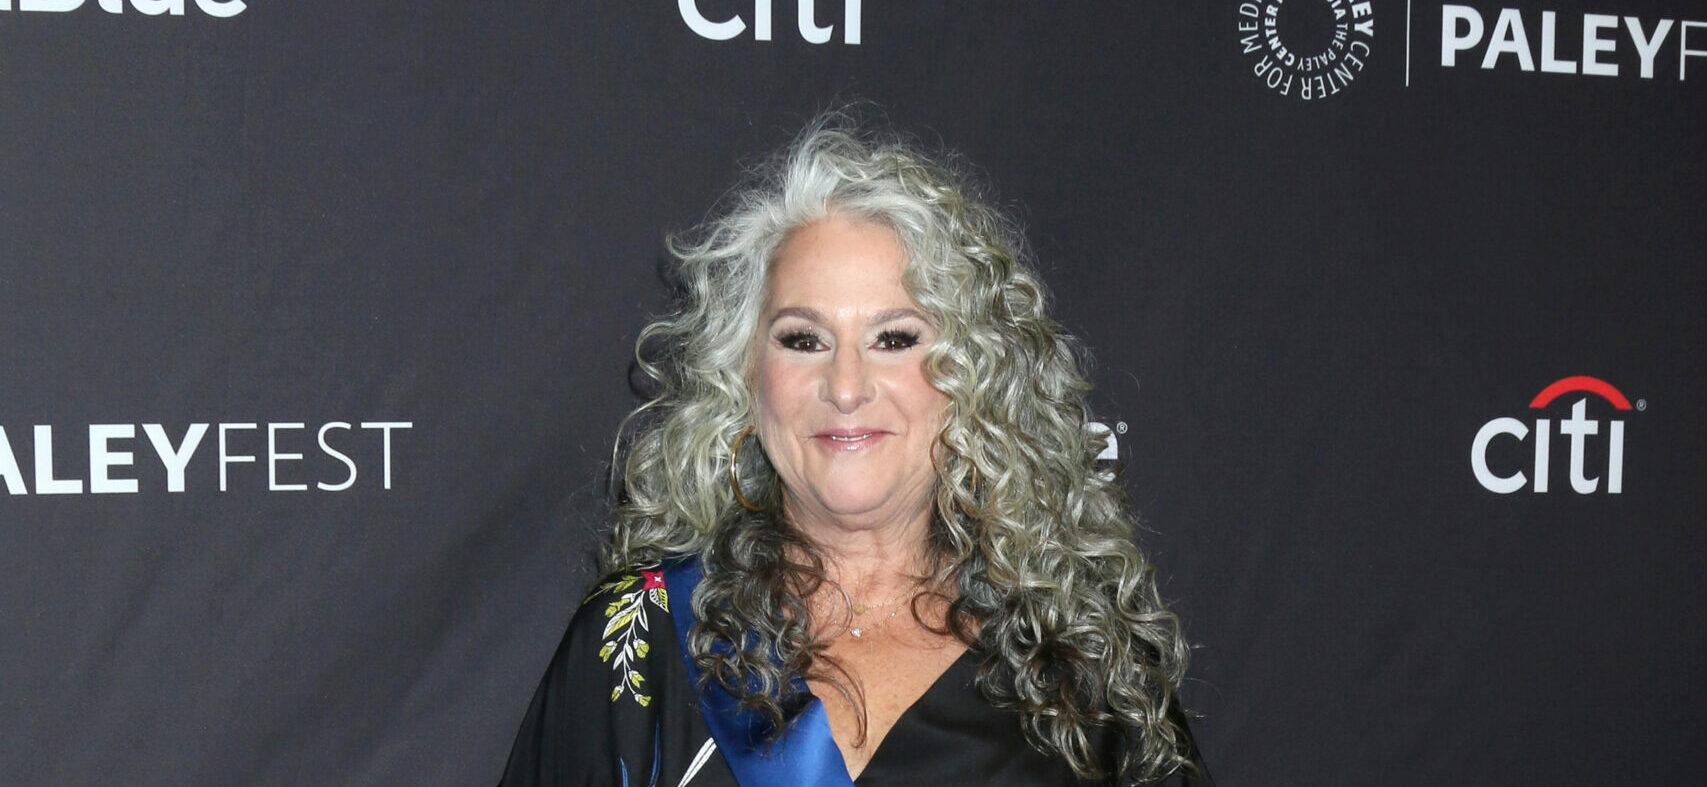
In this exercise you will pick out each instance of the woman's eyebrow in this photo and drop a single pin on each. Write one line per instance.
(813, 315)
(803, 312)
(891, 315)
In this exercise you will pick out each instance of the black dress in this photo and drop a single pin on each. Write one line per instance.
(617, 707)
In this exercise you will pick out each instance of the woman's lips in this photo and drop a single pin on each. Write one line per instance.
(849, 441)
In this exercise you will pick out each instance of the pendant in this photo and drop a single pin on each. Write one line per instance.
(857, 632)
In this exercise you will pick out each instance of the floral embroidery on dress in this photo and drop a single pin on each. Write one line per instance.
(626, 626)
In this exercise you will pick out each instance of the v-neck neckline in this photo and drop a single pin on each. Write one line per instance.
(936, 686)
(730, 726)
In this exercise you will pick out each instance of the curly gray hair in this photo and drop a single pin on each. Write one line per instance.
(1037, 545)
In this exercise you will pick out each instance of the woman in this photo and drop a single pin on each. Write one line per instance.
(861, 537)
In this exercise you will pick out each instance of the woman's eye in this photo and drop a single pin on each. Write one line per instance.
(799, 340)
(897, 340)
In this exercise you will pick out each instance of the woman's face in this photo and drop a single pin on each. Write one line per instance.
(846, 413)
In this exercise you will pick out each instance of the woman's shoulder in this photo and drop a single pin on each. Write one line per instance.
(625, 619)
(619, 598)
(595, 709)
(643, 577)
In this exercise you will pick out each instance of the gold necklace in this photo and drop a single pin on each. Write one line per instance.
(857, 609)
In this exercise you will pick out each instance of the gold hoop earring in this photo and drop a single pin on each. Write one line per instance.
(734, 476)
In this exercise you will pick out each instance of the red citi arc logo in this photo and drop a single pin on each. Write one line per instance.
(1578, 427)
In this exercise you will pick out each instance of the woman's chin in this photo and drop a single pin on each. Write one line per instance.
(854, 502)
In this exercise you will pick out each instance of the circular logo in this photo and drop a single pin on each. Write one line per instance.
(1308, 49)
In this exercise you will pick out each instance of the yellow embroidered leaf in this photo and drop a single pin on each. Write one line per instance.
(661, 598)
(618, 622)
(604, 652)
(634, 679)
(641, 648)
(611, 610)
(626, 582)
(643, 700)
(616, 692)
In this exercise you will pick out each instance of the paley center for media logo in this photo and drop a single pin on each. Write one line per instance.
(1535, 470)
(1310, 49)
(1307, 49)
(108, 456)
(217, 8)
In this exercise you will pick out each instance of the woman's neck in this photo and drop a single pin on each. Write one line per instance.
(869, 560)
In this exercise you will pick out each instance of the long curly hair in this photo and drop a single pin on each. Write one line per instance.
(1035, 543)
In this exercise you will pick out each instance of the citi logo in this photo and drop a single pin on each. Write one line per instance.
(810, 30)
(219, 8)
(1578, 427)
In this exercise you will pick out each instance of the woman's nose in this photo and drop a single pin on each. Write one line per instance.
(849, 382)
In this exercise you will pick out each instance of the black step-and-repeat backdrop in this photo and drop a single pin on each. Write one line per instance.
(316, 322)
